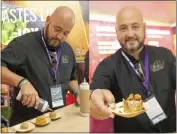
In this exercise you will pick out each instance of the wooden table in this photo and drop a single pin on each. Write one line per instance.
(70, 121)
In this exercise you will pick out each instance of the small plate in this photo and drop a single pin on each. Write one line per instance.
(120, 111)
(48, 115)
(10, 130)
(58, 116)
(30, 127)
(34, 121)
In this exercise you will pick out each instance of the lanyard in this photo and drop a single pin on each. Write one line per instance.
(146, 63)
(54, 69)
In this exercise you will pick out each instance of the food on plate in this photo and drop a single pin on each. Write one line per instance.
(24, 126)
(4, 130)
(41, 120)
(53, 115)
(133, 103)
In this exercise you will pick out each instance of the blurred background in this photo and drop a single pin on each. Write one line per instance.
(160, 18)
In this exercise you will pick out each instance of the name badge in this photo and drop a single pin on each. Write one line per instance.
(56, 93)
(154, 110)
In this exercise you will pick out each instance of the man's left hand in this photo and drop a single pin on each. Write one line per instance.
(77, 100)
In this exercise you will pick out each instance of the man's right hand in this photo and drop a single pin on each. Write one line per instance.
(30, 97)
(99, 102)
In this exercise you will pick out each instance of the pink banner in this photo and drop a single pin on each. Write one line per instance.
(103, 42)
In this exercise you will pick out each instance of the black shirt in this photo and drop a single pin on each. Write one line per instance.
(86, 72)
(27, 57)
(115, 73)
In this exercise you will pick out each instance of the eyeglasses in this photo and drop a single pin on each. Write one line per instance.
(139, 69)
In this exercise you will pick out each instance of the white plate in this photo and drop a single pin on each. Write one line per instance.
(34, 122)
(30, 127)
(119, 110)
(10, 130)
(58, 116)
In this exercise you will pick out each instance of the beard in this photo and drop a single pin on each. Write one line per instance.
(52, 42)
(132, 45)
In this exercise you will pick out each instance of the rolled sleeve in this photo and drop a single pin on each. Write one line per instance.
(102, 76)
(13, 55)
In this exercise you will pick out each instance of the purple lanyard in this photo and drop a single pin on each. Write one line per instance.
(146, 63)
(54, 69)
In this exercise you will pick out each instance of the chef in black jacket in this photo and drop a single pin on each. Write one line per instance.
(41, 65)
(136, 68)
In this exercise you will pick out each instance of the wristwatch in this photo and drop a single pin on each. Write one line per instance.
(76, 92)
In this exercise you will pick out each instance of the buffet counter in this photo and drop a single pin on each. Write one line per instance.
(70, 121)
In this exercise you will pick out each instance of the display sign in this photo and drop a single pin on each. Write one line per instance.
(21, 17)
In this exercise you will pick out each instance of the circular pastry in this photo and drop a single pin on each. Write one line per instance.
(24, 126)
(41, 120)
(53, 115)
(4, 130)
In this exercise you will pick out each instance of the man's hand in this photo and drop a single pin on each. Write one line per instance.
(30, 97)
(77, 100)
(99, 102)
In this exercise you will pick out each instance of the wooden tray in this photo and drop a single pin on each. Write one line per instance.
(120, 111)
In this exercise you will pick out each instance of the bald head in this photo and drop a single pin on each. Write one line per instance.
(129, 12)
(65, 13)
(59, 25)
(130, 29)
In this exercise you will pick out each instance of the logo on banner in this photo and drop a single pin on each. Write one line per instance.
(157, 65)
(65, 59)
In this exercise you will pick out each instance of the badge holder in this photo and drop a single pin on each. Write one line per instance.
(154, 110)
(56, 94)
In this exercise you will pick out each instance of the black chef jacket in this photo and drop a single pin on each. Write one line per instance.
(27, 57)
(86, 71)
(116, 74)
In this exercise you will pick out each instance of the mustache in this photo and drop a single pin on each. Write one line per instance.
(54, 39)
(130, 39)
(53, 42)
(50, 39)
